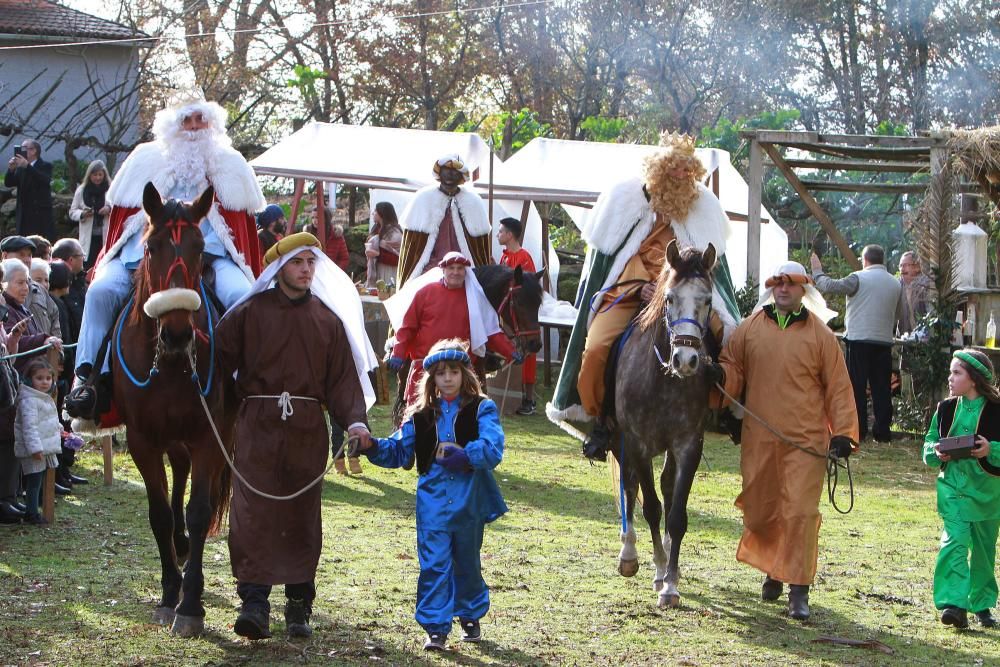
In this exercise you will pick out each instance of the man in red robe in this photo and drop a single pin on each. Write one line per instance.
(190, 153)
(514, 255)
(441, 310)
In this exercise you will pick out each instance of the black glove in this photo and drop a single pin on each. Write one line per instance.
(840, 446)
(715, 373)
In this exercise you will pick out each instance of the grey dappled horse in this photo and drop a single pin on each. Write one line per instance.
(661, 407)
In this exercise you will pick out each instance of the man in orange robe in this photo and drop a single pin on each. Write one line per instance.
(791, 367)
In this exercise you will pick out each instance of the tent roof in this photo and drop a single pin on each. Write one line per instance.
(574, 172)
(375, 157)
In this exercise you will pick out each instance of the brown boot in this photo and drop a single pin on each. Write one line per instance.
(355, 465)
(340, 466)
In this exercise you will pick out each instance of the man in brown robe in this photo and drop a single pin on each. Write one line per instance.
(791, 367)
(281, 432)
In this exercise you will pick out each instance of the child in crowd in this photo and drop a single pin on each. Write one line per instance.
(455, 433)
(514, 256)
(968, 492)
(37, 432)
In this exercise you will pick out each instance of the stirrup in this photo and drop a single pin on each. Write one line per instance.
(595, 447)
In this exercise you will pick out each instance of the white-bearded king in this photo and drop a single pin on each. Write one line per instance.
(190, 152)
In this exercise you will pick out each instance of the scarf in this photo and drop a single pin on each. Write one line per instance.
(93, 196)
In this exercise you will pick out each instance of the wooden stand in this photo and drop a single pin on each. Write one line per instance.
(109, 455)
(49, 495)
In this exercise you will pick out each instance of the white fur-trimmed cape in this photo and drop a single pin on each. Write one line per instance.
(623, 215)
(236, 189)
(426, 210)
(235, 185)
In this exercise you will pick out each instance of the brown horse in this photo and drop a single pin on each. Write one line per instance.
(165, 330)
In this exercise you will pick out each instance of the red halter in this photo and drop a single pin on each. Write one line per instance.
(508, 302)
(176, 228)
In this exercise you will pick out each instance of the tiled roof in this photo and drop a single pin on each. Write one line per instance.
(44, 18)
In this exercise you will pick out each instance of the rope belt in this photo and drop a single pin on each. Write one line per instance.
(285, 402)
(350, 443)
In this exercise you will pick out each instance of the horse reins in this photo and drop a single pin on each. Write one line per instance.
(832, 464)
(508, 303)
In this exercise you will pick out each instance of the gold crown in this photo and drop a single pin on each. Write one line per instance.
(677, 141)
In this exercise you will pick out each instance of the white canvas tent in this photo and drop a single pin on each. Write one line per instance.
(393, 163)
(574, 173)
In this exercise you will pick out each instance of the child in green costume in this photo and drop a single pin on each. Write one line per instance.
(968, 492)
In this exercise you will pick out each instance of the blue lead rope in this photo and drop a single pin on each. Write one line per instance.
(118, 349)
(211, 346)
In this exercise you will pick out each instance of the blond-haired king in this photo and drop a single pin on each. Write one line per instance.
(627, 235)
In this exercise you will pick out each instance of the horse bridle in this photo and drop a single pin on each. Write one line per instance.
(516, 332)
(176, 227)
(681, 340)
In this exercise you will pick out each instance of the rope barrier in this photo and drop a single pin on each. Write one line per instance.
(37, 350)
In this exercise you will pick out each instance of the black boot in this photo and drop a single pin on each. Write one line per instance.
(297, 613)
(253, 623)
(986, 619)
(798, 602)
(81, 401)
(956, 617)
(771, 590)
(595, 447)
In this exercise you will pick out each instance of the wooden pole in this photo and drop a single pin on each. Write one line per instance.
(756, 177)
(824, 220)
(300, 188)
(109, 460)
(321, 221)
(49, 495)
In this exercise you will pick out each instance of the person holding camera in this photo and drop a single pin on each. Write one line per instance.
(32, 176)
(968, 491)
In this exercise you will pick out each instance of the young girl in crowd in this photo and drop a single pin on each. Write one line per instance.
(454, 432)
(37, 432)
(968, 492)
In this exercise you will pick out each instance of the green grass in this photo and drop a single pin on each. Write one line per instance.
(82, 591)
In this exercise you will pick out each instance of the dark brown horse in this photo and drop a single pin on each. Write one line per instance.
(661, 408)
(164, 331)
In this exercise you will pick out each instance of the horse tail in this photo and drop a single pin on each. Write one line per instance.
(224, 493)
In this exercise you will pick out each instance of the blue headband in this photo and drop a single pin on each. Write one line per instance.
(450, 354)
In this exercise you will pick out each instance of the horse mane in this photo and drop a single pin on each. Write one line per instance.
(689, 267)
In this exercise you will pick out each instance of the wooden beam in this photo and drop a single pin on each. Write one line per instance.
(756, 178)
(897, 188)
(783, 137)
(742, 217)
(321, 221)
(871, 153)
(822, 217)
(715, 182)
(856, 165)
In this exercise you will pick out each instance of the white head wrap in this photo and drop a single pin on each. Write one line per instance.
(337, 292)
(483, 320)
(813, 300)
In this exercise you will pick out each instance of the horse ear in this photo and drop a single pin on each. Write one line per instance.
(673, 253)
(518, 275)
(152, 203)
(201, 207)
(708, 257)
(539, 275)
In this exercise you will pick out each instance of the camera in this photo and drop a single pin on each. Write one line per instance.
(20, 151)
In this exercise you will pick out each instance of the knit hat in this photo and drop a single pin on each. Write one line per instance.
(268, 215)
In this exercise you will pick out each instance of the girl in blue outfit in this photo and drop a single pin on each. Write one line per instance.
(454, 431)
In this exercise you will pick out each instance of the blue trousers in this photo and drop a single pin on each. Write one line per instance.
(451, 579)
(106, 295)
(33, 491)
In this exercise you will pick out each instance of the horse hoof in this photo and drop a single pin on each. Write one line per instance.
(163, 615)
(669, 600)
(188, 626)
(628, 568)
